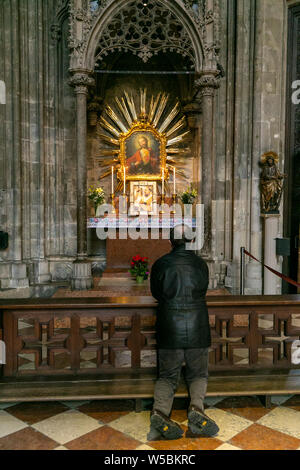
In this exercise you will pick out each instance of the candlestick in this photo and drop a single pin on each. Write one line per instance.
(174, 197)
(163, 182)
(124, 181)
(123, 204)
(112, 179)
(174, 180)
(112, 196)
(162, 202)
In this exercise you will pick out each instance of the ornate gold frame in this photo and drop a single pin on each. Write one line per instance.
(143, 126)
(133, 211)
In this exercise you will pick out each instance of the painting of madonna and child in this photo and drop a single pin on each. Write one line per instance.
(142, 155)
(143, 198)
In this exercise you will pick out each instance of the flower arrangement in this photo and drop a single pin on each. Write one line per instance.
(188, 196)
(139, 267)
(97, 196)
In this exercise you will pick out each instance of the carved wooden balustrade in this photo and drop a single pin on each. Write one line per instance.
(117, 335)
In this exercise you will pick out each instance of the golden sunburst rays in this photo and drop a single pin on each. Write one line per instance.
(115, 119)
(128, 113)
(177, 139)
(108, 139)
(181, 173)
(160, 110)
(143, 93)
(169, 118)
(105, 174)
(153, 107)
(105, 162)
(171, 161)
(179, 170)
(106, 166)
(108, 152)
(109, 127)
(179, 124)
(124, 110)
(131, 105)
(174, 151)
(153, 112)
(176, 163)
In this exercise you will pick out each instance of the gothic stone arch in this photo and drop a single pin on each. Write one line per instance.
(191, 26)
(89, 20)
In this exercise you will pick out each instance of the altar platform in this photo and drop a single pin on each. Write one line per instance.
(118, 283)
(128, 236)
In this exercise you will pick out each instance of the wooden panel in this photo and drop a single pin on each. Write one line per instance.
(127, 303)
(83, 336)
(120, 252)
(116, 388)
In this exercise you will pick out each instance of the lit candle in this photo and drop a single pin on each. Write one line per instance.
(163, 182)
(112, 180)
(174, 180)
(124, 181)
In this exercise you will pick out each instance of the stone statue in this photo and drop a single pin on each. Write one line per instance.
(271, 184)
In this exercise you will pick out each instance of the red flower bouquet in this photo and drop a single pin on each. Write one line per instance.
(139, 267)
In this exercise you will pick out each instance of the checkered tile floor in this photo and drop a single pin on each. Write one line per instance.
(111, 425)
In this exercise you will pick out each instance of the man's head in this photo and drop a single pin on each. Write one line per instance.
(147, 192)
(180, 235)
(143, 142)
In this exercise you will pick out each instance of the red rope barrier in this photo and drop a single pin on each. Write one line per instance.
(282, 276)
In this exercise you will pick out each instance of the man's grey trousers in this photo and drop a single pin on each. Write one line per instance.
(170, 363)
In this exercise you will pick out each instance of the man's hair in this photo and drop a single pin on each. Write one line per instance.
(180, 235)
(143, 137)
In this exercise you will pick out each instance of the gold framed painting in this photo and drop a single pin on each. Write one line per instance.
(143, 153)
(143, 198)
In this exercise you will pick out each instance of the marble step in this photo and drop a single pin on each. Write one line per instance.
(116, 273)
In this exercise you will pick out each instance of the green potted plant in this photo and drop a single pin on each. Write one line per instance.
(97, 196)
(139, 268)
(188, 196)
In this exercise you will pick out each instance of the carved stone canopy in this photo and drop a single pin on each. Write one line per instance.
(144, 28)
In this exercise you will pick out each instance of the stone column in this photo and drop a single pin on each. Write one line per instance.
(82, 268)
(270, 258)
(193, 113)
(207, 85)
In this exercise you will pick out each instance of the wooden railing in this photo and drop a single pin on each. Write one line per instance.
(116, 335)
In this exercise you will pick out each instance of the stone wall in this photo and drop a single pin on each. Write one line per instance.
(250, 121)
(38, 152)
(37, 174)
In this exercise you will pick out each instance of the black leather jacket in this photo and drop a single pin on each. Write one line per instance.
(179, 281)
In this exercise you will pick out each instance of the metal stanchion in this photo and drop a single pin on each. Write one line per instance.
(242, 271)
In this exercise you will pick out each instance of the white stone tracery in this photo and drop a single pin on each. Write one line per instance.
(145, 31)
(99, 27)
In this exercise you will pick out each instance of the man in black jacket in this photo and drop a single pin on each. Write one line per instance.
(179, 281)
